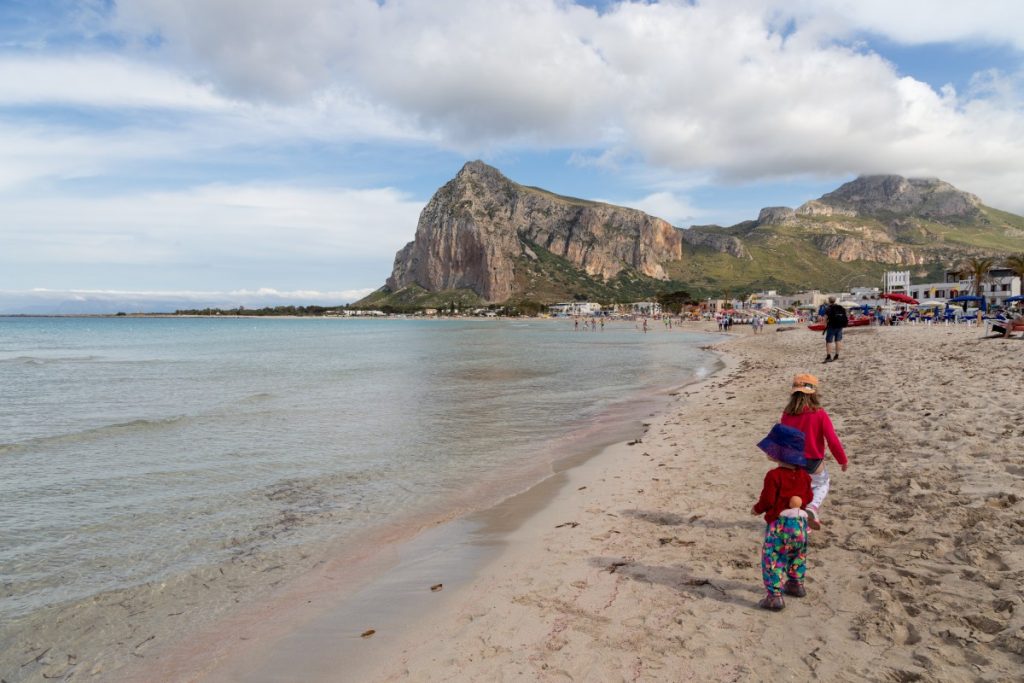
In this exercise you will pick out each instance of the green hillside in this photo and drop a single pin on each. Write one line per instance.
(847, 238)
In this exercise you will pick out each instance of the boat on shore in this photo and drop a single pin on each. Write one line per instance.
(856, 321)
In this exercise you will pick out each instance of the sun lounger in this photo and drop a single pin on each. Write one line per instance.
(1005, 328)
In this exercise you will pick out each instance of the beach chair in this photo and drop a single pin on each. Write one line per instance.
(1005, 328)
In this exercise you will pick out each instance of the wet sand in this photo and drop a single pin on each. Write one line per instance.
(641, 563)
(646, 565)
(249, 618)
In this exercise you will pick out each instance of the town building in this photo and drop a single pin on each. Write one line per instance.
(1001, 283)
(574, 308)
(645, 308)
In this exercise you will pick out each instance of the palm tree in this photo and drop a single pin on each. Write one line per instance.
(977, 269)
(1016, 264)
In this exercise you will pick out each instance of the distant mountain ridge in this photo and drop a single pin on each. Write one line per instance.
(483, 238)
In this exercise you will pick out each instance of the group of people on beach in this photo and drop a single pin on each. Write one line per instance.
(588, 324)
(795, 489)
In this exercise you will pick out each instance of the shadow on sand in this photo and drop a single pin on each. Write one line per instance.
(672, 519)
(681, 578)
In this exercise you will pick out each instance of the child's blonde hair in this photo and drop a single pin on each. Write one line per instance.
(800, 403)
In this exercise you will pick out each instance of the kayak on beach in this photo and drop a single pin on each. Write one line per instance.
(859, 321)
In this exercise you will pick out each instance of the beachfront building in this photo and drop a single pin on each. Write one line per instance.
(1002, 283)
(645, 308)
(574, 308)
(864, 293)
(763, 301)
(896, 281)
(812, 297)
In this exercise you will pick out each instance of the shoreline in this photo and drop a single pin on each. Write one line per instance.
(643, 561)
(180, 599)
(319, 617)
(915, 577)
(454, 554)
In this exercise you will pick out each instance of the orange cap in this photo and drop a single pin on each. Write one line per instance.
(805, 383)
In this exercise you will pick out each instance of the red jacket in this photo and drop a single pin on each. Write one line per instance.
(780, 485)
(817, 429)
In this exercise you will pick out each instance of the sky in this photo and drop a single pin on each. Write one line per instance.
(161, 153)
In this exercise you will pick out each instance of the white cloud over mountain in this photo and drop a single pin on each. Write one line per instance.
(732, 92)
(748, 90)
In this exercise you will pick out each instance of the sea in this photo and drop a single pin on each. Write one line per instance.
(134, 449)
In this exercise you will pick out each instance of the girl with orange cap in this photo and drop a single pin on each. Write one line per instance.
(804, 412)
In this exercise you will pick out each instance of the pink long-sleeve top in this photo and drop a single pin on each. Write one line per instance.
(818, 430)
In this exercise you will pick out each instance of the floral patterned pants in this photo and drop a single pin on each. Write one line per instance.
(784, 555)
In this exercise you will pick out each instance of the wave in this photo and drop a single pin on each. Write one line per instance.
(256, 398)
(56, 360)
(49, 360)
(93, 433)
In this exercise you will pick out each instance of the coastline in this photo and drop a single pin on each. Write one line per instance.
(915, 577)
(141, 625)
(397, 603)
(641, 562)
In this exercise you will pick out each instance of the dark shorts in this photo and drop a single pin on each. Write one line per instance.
(833, 334)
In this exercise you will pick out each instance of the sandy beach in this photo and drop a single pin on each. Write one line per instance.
(646, 566)
(642, 563)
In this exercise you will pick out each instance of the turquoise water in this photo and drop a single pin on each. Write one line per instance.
(138, 448)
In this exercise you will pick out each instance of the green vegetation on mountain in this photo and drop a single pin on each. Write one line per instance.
(485, 239)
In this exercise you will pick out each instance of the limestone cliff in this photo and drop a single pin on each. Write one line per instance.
(483, 237)
(727, 244)
(477, 229)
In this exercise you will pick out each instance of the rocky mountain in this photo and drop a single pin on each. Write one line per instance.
(480, 229)
(483, 238)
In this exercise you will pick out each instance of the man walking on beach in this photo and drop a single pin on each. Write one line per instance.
(835, 320)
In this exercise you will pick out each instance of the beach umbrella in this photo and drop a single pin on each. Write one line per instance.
(967, 298)
(900, 298)
(1011, 299)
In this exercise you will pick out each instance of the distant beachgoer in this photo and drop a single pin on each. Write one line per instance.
(645, 325)
(804, 412)
(602, 324)
(835, 321)
(786, 490)
(576, 324)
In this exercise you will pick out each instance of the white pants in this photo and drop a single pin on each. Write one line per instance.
(819, 486)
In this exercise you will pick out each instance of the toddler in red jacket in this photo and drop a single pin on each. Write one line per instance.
(785, 490)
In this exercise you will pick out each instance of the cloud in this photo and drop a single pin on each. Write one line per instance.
(665, 205)
(916, 22)
(744, 91)
(88, 301)
(671, 96)
(217, 226)
(101, 81)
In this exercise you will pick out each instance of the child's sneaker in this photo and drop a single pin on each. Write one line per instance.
(774, 603)
(813, 520)
(794, 588)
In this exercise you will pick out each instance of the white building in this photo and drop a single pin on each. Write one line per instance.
(645, 308)
(896, 281)
(575, 308)
(1002, 283)
(763, 301)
